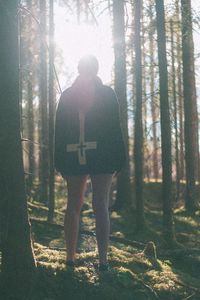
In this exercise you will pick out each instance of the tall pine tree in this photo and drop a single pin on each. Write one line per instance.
(168, 227)
(138, 142)
(18, 262)
(190, 107)
(123, 181)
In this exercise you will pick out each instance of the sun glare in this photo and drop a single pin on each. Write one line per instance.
(74, 41)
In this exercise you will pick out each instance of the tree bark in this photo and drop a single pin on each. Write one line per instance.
(44, 155)
(123, 180)
(179, 76)
(168, 228)
(146, 150)
(190, 107)
(138, 140)
(30, 109)
(174, 95)
(18, 262)
(180, 92)
(152, 92)
(51, 113)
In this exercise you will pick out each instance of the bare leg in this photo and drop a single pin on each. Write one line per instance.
(76, 186)
(101, 185)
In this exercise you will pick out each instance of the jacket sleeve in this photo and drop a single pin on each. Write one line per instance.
(118, 135)
(59, 125)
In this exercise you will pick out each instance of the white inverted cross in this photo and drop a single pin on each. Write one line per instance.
(82, 146)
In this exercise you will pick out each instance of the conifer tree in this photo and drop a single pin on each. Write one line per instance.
(168, 228)
(18, 263)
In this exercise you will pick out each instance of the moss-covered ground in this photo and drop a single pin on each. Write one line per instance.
(134, 274)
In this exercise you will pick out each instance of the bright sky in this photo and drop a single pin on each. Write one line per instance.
(75, 41)
(196, 4)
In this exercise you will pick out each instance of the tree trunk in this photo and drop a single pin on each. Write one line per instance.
(51, 113)
(30, 128)
(123, 180)
(138, 143)
(44, 155)
(17, 255)
(168, 229)
(180, 94)
(175, 112)
(146, 151)
(30, 110)
(152, 92)
(190, 107)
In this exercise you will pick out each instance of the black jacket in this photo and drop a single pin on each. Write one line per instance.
(102, 125)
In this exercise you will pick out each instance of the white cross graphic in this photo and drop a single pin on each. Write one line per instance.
(82, 146)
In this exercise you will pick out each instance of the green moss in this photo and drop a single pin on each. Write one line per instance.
(134, 275)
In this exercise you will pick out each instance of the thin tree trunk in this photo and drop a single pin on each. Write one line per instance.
(181, 121)
(30, 110)
(175, 112)
(138, 149)
(44, 156)
(168, 228)
(190, 107)
(180, 92)
(51, 113)
(30, 128)
(146, 152)
(153, 98)
(18, 263)
(133, 80)
(123, 180)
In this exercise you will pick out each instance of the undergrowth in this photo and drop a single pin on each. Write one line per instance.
(133, 275)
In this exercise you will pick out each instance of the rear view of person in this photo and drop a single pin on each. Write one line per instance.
(88, 143)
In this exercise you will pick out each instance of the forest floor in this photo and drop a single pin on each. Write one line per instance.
(135, 274)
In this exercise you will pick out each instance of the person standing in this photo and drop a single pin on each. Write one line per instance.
(88, 143)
